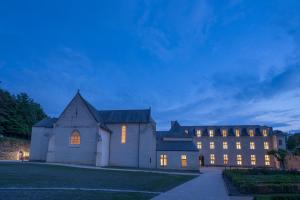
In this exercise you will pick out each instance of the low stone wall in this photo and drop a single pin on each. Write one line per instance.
(10, 148)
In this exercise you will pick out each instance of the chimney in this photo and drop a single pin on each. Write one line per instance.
(172, 123)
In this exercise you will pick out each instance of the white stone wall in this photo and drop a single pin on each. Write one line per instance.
(39, 143)
(174, 160)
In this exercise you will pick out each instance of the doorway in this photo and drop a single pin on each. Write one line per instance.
(201, 161)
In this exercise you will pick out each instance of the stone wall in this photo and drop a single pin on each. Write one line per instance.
(293, 162)
(10, 147)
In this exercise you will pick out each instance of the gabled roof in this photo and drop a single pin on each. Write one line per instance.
(104, 117)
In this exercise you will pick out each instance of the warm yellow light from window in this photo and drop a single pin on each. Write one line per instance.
(239, 159)
(198, 133)
(225, 145)
(211, 145)
(253, 160)
(267, 160)
(183, 161)
(266, 145)
(252, 145)
(251, 133)
(225, 158)
(75, 138)
(265, 133)
(212, 159)
(224, 133)
(237, 132)
(199, 145)
(163, 160)
(238, 145)
(123, 134)
(211, 133)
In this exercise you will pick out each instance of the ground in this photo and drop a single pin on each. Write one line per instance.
(26, 175)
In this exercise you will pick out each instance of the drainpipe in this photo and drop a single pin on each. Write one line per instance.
(139, 145)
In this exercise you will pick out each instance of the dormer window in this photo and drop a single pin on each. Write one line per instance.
(265, 132)
(251, 133)
(198, 133)
(211, 133)
(186, 131)
(237, 133)
(224, 133)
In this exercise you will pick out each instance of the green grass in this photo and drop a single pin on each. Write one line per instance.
(36, 175)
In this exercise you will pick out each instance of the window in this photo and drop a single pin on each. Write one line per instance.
(186, 131)
(211, 133)
(266, 145)
(212, 145)
(253, 160)
(163, 160)
(267, 160)
(123, 134)
(265, 132)
(224, 133)
(225, 145)
(198, 133)
(212, 159)
(237, 133)
(239, 159)
(199, 145)
(251, 133)
(183, 161)
(279, 142)
(238, 145)
(225, 158)
(75, 138)
(252, 145)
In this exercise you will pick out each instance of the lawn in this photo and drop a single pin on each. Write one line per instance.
(264, 181)
(35, 175)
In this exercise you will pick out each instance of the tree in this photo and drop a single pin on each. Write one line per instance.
(280, 156)
(293, 141)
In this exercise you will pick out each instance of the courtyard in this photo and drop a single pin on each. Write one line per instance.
(39, 181)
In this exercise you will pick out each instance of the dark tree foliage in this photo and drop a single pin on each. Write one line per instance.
(293, 141)
(18, 114)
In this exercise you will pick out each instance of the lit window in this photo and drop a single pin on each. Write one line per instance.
(237, 133)
(123, 134)
(252, 145)
(199, 133)
(224, 133)
(225, 145)
(253, 160)
(75, 138)
(267, 160)
(211, 133)
(183, 161)
(186, 131)
(265, 132)
(266, 145)
(163, 160)
(225, 158)
(238, 145)
(211, 145)
(239, 159)
(212, 159)
(199, 145)
(251, 133)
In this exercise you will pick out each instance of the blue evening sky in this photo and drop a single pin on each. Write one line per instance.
(200, 62)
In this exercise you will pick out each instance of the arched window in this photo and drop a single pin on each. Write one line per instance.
(75, 137)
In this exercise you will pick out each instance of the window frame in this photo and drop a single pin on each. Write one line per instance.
(163, 160)
(123, 134)
(183, 160)
(75, 138)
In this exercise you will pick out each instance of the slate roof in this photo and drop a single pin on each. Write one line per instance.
(162, 145)
(47, 123)
(104, 117)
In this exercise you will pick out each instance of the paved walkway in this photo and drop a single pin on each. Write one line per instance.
(207, 186)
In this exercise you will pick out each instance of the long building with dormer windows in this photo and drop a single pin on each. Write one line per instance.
(237, 146)
(128, 138)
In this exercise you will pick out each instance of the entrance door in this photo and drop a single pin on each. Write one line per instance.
(201, 161)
